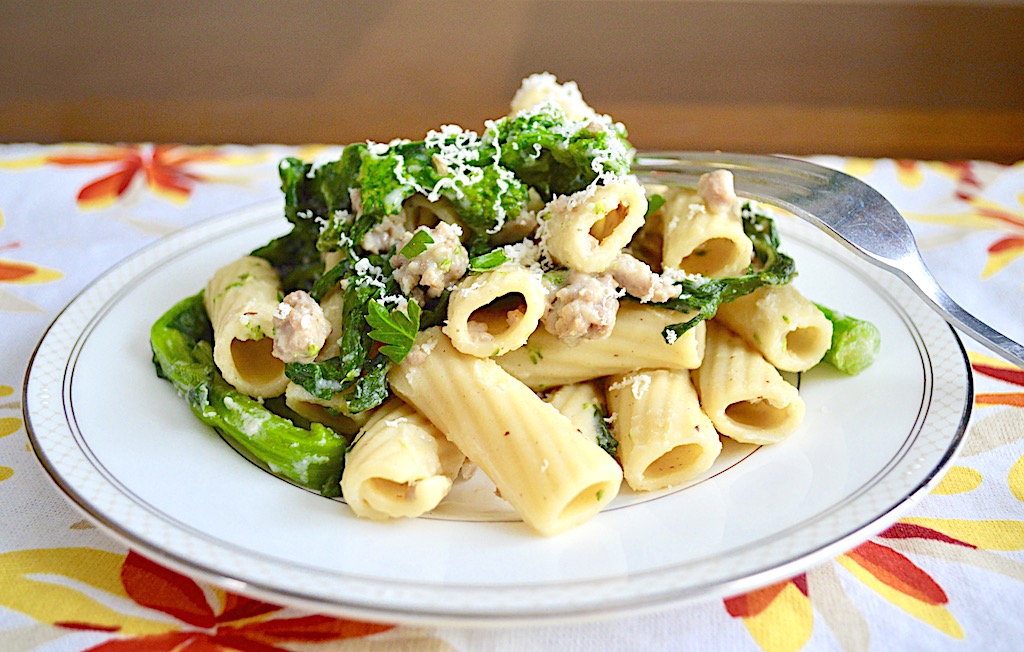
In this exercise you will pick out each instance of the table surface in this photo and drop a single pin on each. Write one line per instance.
(948, 575)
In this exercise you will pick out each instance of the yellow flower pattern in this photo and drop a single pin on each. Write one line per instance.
(782, 618)
(75, 587)
(8, 425)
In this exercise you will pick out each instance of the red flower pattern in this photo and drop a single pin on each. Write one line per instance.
(241, 624)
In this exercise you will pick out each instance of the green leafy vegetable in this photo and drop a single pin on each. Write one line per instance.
(301, 200)
(605, 439)
(372, 388)
(654, 202)
(486, 177)
(365, 320)
(417, 245)
(294, 255)
(321, 379)
(334, 232)
(181, 341)
(383, 182)
(435, 311)
(479, 175)
(396, 328)
(489, 261)
(333, 181)
(557, 156)
(329, 280)
(855, 342)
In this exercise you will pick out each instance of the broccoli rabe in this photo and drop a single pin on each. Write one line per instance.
(367, 321)
(183, 354)
(486, 177)
(605, 439)
(557, 156)
(294, 255)
(855, 342)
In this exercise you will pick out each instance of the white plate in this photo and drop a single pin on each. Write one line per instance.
(127, 451)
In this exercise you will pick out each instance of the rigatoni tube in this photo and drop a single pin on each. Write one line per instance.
(400, 465)
(240, 299)
(553, 477)
(744, 395)
(636, 341)
(495, 312)
(584, 405)
(664, 437)
(777, 320)
(587, 230)
(699, 240)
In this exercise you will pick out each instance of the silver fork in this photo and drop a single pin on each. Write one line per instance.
(849, 210)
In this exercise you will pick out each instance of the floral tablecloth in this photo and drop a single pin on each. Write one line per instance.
(948, 575)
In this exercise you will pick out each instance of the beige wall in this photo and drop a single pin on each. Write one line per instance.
(931, 80)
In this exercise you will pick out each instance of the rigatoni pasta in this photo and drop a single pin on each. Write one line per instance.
(399, 465)
(698, 240)
(586, 231)
(635, 341)
(584, 405)
(780, 322)
(495, 312)
(664, 437)
(745, 397)
(555, 478)
(240, 299)
(518, 300)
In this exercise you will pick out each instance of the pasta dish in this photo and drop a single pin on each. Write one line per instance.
(514, 302)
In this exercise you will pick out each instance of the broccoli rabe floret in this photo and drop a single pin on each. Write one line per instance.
(384, 182)
(485, 177)
(558, 156)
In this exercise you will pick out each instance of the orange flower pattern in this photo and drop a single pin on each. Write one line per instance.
(94, 599)
(1003, 371)
(768, 613)
(240, 624)
(883, 565)
(165, 170)
(20, 273)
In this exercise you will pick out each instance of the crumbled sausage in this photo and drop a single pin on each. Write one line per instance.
(443, 262)
(718, 190)
(355, 197)
(583, 309)
(385, 234)
(419, 352)
(638, 280)
(300, 328)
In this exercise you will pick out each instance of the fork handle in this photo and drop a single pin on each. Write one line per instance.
(925, 284)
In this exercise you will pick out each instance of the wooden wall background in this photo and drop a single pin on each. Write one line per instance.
(860, 77)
